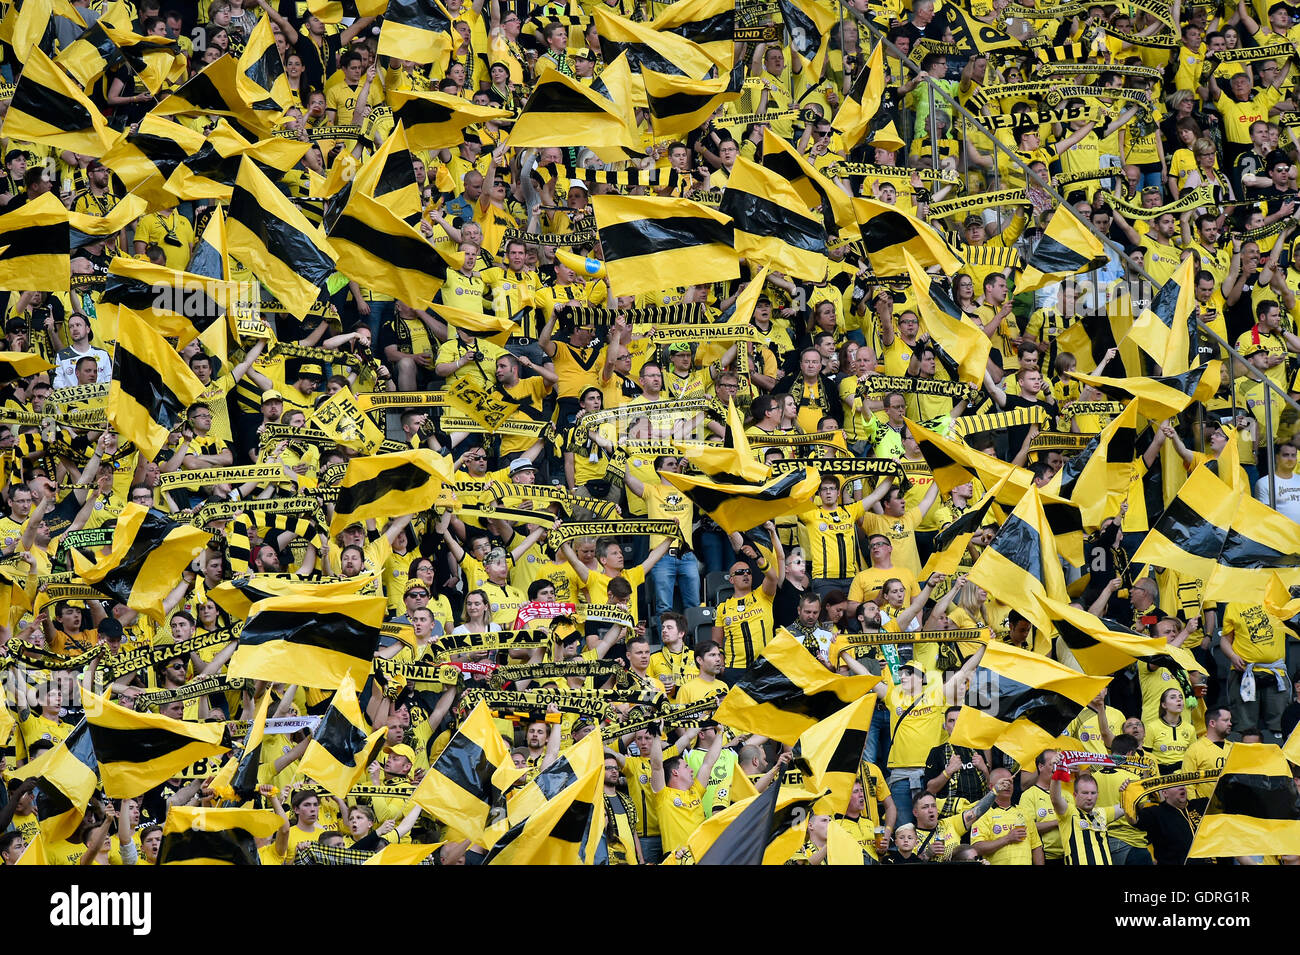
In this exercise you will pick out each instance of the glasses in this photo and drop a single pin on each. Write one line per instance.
(178, 665)
(417, 593)
(741, 572)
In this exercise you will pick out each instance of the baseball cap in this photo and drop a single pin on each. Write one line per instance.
(311, 370)
(584, 54)
(415, 583)
(271, 395)
(578, 184)
(677, 348)
(401, 749)
(972, 220)
(522, 464)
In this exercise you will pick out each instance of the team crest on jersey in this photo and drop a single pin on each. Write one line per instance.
(643, 778)
(495, 607)
(821, 526)
(726, 621)
(677, 801)
(1042, 813)
(997, 830)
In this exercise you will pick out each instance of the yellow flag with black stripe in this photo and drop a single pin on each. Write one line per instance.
(654, 242)
(1279, 600)
(388, 177)
(236, 781)
(773, 226)
(195, 835)
(766, 829)
(1097, 479)
(739, 507)
(488, 325)
(788, 692)
(1162, 331)
(467, 783)
(1262, 543)
(830, 753)
(952, 463)
(709, 24)
(1021, 701)
(379, 249)
(145, 560)
(678, 104)
(859, 115)
(815, 189)
(293, 639)
(1160, 398)
(267, 233)
(1254, 808)
(138, 751)
(385, 485)
(649, 49)
(417, 30)
(1193, 529)
(66, 781)
(562, 111)
(1021, 564)
(435, 120)
(888, 231)
(809, 24)
(261, 80)
(1103, 647)
(559, 817)
(144, 160)
(50, 109)
(175, 304)
(20, 364)
(34, 246)
(342, 745)
(25, 26)
(214, 92)
(950, 329)
(236, 597)
(1066, 247)
(333, 11)
(83, 226)
(152, 386)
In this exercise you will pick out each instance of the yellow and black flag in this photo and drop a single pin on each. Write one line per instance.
(888, 232)
(950, 543)
(1021, 563)
(1262, 543)
(385, 485)
(562, 111)
(416, 30)
(1067, 247)
(964, 342)
(467, 783)
(34, 246)
(175, 304)
(388, 177)
(83, 227)
(342, 745)
(1097, 478)
(268, 233)
(559, 817)
(261, 80)
(144, 563)
(145, 160)
(709, 24)
(952, 463)
(1160, 398)
(377, 247)
(654, 242)
(50, 109)
(740, 506)
(1021, 701)
(815, 189)
(773, 226)
(437, 120)
(1103, 647)
(236, 781)
(1254, 808)
(859, 116)
(810, 24)
(648, 49)
(293, 639)
(973, 35)
(333, 11)
(788, 692)
(766, 829)
(194, 835)
(1191, 533)
(138, 751)
(1167, 330)
(20, 364)
(678, 104)
(1089, 336)
(830, 754)
(151, 388)
(66, 781)
(213, 92)
(236, 597)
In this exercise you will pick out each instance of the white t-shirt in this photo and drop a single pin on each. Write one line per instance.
(1288, 495)
(65, 365)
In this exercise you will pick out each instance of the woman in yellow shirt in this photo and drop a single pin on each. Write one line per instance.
(1183, 161)
(1172, 733)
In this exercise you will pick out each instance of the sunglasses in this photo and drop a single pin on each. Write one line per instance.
(740, 573)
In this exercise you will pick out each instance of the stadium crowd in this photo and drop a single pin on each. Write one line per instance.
(649, 374)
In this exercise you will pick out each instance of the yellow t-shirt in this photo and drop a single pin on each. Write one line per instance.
(1036, 804)
(995, 824)
(680, 812)
(915, 729)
